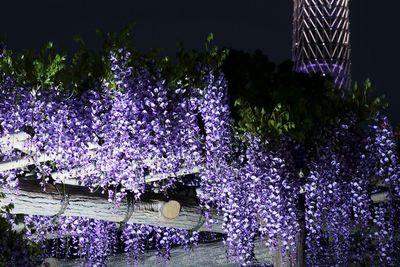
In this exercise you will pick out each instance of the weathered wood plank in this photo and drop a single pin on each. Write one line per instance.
(69, 177)
(32, 157)
(13, 141)
(31, 200)
(23, 162)
(380, 197)
(18, 141)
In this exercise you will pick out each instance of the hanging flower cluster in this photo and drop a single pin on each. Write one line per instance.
(215, 114)
(382, 154)
(134, 238)
(255, 192)
(132, 126)
(107, 137)
(96, 241)
(138, 238)
(73, 236)
(343, 175)
(261, 199)
(10, 118)
(110, 137)
(328, 185)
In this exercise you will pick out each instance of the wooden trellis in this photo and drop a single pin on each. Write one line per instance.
(76, 200)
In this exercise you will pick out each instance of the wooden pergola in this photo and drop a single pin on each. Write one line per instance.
(178, 211)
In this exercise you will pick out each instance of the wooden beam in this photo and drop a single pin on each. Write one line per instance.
(376, 197)
(31, 200)
(13, 141)
(69, 177)
(32, 157)
(23, 162)
(380, 197)
(18, 141)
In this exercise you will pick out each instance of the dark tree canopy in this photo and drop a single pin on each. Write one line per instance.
(312, 100)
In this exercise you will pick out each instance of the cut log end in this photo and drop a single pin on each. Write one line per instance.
(50, 262)
(380, 197)
(171, 209)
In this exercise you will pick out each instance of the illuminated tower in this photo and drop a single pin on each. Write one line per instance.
(321, 39)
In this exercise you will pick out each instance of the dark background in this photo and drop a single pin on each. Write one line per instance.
(244, 24)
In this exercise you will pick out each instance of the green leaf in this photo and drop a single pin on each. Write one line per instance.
(210, 37)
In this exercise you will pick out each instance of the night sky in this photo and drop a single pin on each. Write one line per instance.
(245, 25)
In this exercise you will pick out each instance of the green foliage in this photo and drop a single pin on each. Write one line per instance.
(184, 71)
(35, 69)
(85, 68)
(116, 40)
(48, 65)
(312, 100)
(261, 123)
(7, 208)
(363, 101)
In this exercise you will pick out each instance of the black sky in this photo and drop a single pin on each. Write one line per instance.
(246, 25)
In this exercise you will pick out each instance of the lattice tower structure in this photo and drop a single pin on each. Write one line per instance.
(321, 39)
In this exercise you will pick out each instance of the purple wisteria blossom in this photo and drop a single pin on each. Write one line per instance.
(131, 127)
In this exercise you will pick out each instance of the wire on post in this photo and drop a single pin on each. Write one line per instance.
(64, 205)
(131, 208)
(199, 224)
(64, 201)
